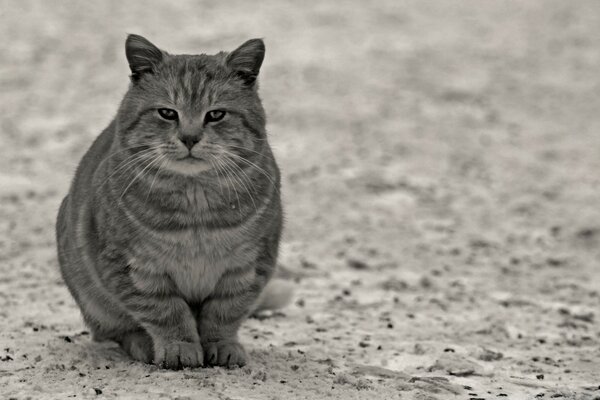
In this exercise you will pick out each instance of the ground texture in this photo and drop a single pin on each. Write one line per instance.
(441, 179)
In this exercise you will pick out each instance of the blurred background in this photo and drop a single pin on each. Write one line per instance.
(440, 176)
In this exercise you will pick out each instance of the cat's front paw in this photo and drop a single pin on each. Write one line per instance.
(224, 353)
(177, 355)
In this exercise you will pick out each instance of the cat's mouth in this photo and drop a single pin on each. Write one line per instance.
(189, 164)
(189, 157)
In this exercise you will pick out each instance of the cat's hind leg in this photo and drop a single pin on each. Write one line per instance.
(138, 345)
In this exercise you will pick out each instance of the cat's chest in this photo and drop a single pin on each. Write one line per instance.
(196, 278)
(193, 262)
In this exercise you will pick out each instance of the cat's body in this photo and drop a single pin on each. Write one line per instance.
(171, 228)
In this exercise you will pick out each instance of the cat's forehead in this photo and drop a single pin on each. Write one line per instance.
(201, 64)
(193, 80)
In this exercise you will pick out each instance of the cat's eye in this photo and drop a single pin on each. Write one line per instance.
(214, 116)
(167, 113)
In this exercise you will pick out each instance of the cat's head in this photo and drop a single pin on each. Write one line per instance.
(189, 113)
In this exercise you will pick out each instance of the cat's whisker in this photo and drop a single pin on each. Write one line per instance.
(123, 149)
(130, 161)
(218, 168)
(243, 148)
(214, 166)
(259, 169)
(150, 147)
(241, 181)
(163, 159)
(150, 163)
(134, 157)
(128, 168)
(246, 178)
(123, 166)
(232, 181)
(228, 176)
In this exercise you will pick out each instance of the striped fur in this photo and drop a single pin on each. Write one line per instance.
(165, 255)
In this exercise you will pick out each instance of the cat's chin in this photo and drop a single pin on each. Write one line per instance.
(188, 166)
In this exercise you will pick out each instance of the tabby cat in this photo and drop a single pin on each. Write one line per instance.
(171, 228)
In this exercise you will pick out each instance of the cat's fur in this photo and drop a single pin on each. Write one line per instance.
(166, 250)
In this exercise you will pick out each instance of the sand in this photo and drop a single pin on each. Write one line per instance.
(440, 164)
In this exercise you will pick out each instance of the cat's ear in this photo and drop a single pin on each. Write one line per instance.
(143, 56)
(246, 60)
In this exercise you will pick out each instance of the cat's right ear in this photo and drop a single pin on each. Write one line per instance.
(142, 55)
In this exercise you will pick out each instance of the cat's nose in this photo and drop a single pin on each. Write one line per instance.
(190, 140)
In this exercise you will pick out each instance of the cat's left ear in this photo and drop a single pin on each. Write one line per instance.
(142, 55)
(247, 59)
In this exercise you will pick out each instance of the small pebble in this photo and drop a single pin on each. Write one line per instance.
(449, 350)
(357, 264)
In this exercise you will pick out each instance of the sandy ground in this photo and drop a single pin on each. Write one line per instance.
(441, 184)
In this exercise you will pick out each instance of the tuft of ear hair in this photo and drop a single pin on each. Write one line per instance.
(142, 55)
(246, 60)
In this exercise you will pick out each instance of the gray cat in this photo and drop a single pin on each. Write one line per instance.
(171, 228)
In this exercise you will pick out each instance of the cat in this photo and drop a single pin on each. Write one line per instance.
(170, 231)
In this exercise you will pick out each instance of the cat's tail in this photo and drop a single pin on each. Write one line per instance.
(277, 294)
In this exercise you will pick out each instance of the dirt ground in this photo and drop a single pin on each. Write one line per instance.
(441, 184)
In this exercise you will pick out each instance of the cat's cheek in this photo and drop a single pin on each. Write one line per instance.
(163, 124)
